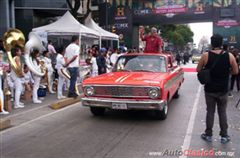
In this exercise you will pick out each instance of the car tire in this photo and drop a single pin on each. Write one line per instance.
(176, 95)
(97, 111)
(161, 115)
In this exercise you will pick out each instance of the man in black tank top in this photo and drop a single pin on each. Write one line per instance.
(221, 64)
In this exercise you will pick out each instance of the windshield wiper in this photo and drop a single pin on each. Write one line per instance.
(144, 70)
(124, 70)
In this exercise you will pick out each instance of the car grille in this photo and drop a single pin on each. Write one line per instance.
(121, 91)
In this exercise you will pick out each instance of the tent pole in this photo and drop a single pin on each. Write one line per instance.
(80, 42)
(100, 42)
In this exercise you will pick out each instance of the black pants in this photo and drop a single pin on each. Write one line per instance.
(219, 99)
(233, 78)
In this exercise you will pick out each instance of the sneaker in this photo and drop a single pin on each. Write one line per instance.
(74, 95)
(37, 101)
(21, 103)
(18, 106)
(225, 139)
(206, 137)
(4, 112)
(230, 94)
(61, 97)
(52, 92)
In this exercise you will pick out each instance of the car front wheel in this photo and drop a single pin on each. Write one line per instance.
(97, 111)
(161, 115)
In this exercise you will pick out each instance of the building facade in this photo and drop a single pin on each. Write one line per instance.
(27, 14)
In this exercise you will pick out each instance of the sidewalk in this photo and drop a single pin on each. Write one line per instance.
(32, 111)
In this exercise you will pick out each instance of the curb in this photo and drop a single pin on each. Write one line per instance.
(5, 123)
(65, 102)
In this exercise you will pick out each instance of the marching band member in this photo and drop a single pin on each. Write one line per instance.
(2, 111)
(36, 62)
(48, 64)
(16, 53)
(28, 79)
(10, 83)
(60, 63)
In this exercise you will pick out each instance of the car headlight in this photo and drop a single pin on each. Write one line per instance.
(154, 93)
(89, 91)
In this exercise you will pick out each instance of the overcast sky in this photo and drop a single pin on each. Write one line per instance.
(200, 30)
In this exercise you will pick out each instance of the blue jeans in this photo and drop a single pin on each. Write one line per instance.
(74, 71)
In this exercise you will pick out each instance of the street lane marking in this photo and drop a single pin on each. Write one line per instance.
(188, 136)
(27, 111)
(38, 118)
(30, 110)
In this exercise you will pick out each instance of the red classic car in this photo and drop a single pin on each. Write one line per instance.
(138, 81)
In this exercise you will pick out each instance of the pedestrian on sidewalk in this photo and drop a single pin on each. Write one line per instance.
(72, 56)
(52, 52)
(216, 92)
(235, 77)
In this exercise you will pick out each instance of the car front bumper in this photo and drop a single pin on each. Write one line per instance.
(130, 104)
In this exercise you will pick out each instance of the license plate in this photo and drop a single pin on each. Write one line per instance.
(119, 106)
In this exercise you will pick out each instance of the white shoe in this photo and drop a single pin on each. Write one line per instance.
(4, 112)
(18, 106)
(21, 103)
(52, 92)
(62, 97)
(37, 101)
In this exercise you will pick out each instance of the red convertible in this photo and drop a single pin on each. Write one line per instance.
(137, 82)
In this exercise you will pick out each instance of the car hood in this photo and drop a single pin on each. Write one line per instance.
(127, 78)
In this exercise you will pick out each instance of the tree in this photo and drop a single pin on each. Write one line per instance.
(179, 35)
(203, 44)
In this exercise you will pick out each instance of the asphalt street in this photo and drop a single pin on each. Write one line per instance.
(73, 132)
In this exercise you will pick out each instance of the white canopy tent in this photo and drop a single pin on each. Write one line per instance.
(67, 25)
(89, 22)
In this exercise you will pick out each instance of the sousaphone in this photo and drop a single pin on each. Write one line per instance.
(36, 43)
(13, 38)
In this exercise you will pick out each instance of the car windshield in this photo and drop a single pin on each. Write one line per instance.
(144, 63)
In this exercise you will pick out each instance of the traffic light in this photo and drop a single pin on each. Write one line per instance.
(114, 29)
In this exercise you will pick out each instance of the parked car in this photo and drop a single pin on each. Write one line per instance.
(137, 82)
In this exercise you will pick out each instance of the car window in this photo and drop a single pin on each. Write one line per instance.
(141, 63)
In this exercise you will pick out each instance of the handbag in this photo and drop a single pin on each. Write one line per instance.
(204, 75)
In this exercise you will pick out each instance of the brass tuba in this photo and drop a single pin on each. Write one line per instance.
(13, 38)
(34, 42)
